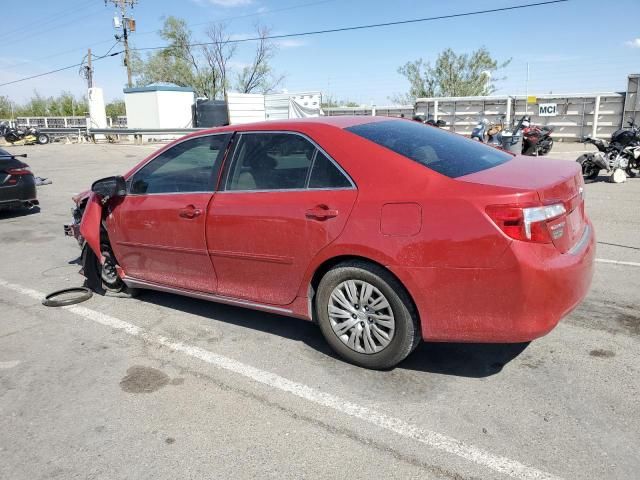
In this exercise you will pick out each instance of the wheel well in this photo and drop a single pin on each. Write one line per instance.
(335, 261)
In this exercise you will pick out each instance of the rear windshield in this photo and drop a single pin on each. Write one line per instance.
(446, 153)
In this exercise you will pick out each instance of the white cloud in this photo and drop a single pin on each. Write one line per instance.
(635, 43)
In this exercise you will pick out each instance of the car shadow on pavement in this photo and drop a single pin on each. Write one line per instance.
(18, 212)
(474, 360)
(456, 359)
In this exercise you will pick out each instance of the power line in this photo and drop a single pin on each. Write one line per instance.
(38, 23)
(148, 32)
(57, 70)
(41, 32)
(256, 14)
(363, 27)
(317, 32)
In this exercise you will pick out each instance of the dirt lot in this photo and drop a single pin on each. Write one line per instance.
(168, 387)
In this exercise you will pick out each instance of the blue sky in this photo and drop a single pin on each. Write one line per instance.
(575, 47)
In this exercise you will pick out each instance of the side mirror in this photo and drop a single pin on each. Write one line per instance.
(110, 187)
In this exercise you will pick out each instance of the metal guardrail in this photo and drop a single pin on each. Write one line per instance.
(141, 131)
(64, 130)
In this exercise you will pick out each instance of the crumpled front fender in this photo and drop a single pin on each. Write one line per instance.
(91, 223)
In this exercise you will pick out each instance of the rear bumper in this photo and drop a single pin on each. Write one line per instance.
(523, 299)
(19, 195)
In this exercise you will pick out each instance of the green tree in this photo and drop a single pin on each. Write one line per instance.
(178, 63)
(332, 102)
(115, 108)
(64, 105)
(5, 108)
(452, 75)
(35, 107)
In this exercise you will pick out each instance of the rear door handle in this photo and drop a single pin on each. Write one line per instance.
(189, 212)
(321, 212)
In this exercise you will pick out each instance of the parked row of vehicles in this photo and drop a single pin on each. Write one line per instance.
(23, 135)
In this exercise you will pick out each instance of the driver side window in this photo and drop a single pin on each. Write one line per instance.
(190, 166)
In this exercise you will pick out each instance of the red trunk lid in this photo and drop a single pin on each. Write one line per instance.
(555, 181)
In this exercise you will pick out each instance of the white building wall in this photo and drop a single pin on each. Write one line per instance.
(245, 107)
(174, 109)
(142, 110)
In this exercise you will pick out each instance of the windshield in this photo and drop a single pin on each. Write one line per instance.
(446, 153)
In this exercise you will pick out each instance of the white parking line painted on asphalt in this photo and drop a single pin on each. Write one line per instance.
(617, 262)
(9, 364)
(434, 440)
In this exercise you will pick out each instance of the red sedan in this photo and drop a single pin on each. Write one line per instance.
(383, 231)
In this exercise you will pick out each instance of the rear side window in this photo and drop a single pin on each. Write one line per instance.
(325, 174)
(446, 153)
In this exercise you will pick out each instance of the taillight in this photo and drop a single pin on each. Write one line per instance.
(541, 224)
(19, 171)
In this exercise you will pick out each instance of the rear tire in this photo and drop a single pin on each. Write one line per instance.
(590, 170)
(42, 139)
(378, 334)
(548, 147)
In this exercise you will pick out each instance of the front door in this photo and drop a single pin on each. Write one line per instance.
(159, 233)
(282, 200)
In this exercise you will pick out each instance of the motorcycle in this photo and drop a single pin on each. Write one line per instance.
(23, 135)
(488, 132)
(620, 156)
(536, 139)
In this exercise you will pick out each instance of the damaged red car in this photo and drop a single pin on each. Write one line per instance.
(384, 231)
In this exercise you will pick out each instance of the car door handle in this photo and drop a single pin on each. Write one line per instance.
(321, 212)
(189, 212)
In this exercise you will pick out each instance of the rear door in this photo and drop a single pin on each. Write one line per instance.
(281, 201)
(159, 233)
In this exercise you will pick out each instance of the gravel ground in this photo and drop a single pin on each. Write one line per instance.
(190, 389)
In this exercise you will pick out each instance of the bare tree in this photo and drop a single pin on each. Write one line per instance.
(259, 75)
(206, 66)
(218, 55)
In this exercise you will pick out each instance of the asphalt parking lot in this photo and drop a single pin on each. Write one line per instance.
(167, 387)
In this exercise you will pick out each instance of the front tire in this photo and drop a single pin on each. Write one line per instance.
(366, 315)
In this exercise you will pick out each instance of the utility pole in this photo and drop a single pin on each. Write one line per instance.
(128, 25)
(89, 70)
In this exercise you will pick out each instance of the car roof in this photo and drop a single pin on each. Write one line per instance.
(341, 121)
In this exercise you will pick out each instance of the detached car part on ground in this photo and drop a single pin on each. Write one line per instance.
(384, 232)
(17, 183)
(619, 157)
(23, 135)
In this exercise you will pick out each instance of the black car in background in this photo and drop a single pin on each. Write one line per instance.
(17, 183)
